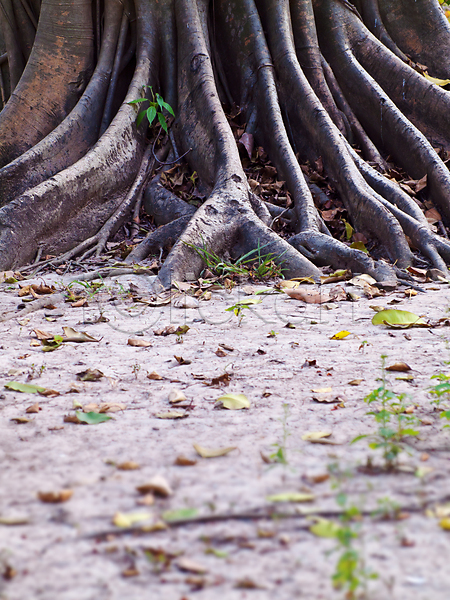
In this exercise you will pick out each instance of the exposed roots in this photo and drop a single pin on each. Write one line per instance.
(323, 81)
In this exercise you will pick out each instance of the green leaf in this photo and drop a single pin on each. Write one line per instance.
(359, 246)
(291, 497)
(248, 301)
(180, 514)
(140, 117)
(137, 101)
(348, 230)
(151, 114)
(400, 319)
(26, 388)
(325, 528)
(162, 121)
(234, 401)
(92, 418)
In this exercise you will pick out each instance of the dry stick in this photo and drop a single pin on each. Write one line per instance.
(248, 516)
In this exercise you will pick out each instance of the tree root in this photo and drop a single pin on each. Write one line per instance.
(309, 78)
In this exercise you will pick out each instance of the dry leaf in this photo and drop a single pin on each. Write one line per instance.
(400, 366)
(126, 520)
(79, 303)
(113, 407)
(220, 353)
(50, 393)
(212, 452)
(157, 485)
(21, 420)
(325, 390)
(131, 572)
(128, 466)
(91, 407)
(309, 296)
(221, 380)
(185, 301)
(189, 565)
(43, 335)
(355, 381)
(70, 335)
(183, 461)
(154, 376)
(176, 396)
(90, 375)
(139, 343)
(234, 401)
(181, 361)
(55, 497)
(34, 408)
(173, 414)
(312, 436)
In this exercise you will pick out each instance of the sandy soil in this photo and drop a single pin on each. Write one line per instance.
(239, 544)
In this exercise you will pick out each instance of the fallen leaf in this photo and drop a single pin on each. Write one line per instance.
(131, 572)
(398, 319)
(325, 390)
(291, 497)
(234, 401)
(436, 81)
(220, 353)
(13, 521)
(185, 301)
(176, 396)
(180, 514)
(91, 407)
(212, 452)
(50, 393)
(139, 343)
(70, 335)
(183, 461)
(325, 528)
(79, 303)
(312, 436)
(157, 485)
(25, 388)
(128, 466)
(221, 380)
(89, 418)
(125, 520)
(340, 335)
(405, 378)
(21, 420)
(189, 565)
(445, 523)
(55, 497)
(154, 376)
(400, 366)
(308, 296)
(355, 381)
(90, 375)
(112, 407)
(181, 361)
(173, 414)
(247, 583)
(34, 408)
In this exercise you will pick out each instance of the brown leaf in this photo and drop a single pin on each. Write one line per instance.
(220, 353)
(183, 461)
(21, 420)
(49, 393)
(400, 366)
(130, 572)
(55, 497)
(139, 343)
(79, 303)
(128, 466)
(221, 380)
(157, 485)
(43, 335)
(308, 296)
(181, 361)
(187, 564)
(90, 375)
(91, 407)
(113, 407)
(154, 376)
(34, 408)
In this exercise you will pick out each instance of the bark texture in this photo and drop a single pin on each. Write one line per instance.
(345, 85)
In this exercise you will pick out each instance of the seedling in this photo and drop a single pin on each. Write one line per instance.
(393, 423)
(241, 305)
(156, 106)
(280, 454)
(441, 391)
(135, 369)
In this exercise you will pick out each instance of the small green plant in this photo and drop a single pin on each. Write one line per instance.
(91, 287)
(35, 372)
(394, 424)
(135, 369)
(253, 264)
(280, 454)
(441, 390)
(241, 306)
(156, 107)
(272, 334)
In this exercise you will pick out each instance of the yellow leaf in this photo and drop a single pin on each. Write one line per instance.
(234, 401)
(312, 436)
(129, 519)
(212, 452)
(445, 523)
(325, 390)
(341, 335)
(436, 81)
(291, 497)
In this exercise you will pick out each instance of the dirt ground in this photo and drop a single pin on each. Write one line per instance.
(216, 531)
